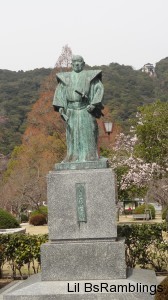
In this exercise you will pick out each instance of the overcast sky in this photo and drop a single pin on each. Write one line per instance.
(129, 32)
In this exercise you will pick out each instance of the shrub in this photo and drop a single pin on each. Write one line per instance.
(24, 218)
(37, 220)
(141, 209)
(43, 210)
(3, 242)
(162, 290)
(145, 245)
(19, 251)
(7, 220)
(164, 213)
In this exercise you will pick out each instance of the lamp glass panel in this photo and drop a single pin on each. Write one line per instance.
(108, 126)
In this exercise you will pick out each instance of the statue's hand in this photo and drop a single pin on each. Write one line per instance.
(63, 115)
(61, 110)
(90, 108)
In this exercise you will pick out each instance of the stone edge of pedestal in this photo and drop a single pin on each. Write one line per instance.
(34, 288)
(97, 164)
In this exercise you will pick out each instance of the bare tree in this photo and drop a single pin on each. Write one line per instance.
(158, 191)
(64, 60)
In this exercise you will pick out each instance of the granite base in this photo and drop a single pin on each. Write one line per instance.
(90, 259)
(98, 198)
(140, 284)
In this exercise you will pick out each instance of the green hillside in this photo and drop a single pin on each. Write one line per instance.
(161, 88)
(125, 90)
(18, 91)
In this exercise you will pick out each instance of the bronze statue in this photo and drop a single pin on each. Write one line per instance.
(78, 98)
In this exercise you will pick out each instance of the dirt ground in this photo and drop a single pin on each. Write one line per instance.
(31, 229)
(129, 219)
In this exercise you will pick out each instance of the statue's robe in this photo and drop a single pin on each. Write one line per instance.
(82, 128)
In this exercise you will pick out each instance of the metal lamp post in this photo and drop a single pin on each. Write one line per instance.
(108, 126)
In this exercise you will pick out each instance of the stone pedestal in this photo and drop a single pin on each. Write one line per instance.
(139, 285)
(83, 248)
(95, 201)
(82, 227)
(84, 260)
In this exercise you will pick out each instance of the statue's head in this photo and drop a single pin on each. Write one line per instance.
(77, 63)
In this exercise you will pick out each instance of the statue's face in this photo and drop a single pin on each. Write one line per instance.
(77, 65)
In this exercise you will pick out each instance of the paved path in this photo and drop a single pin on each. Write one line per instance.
(8, 288)
(13, 284)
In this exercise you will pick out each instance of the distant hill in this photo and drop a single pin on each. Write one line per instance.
(125, 90)
(18, 91)
(3, 164)
(161, 88)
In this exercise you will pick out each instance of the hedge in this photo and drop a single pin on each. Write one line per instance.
(37, 220)
(141, 209)
(7, 220)
(43, 210)
(164, 213)
(20, 250)
(145, 248)
(24, 218)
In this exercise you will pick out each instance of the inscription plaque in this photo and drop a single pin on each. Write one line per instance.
(81, 202)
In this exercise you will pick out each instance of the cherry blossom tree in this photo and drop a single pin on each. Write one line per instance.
(140, 159)
(133, 173)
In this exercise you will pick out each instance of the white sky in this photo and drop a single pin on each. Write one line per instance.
(129, 32)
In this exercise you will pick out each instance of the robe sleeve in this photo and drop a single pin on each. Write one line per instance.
(59, 97)
(98, 92)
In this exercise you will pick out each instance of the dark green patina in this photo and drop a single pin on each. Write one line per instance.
(97, 164)
(81, 202)
(78, 98)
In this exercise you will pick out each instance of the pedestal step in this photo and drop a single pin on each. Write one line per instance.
(82, 260)
(140, 284)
